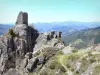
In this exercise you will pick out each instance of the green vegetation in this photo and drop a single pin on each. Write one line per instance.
(83, 38)
(33, 73)
(48, 52)
(85, 63)
(53, 64)
(59, 52)
(66, 64)
(96, 70)
(11, 33)
(75, 50)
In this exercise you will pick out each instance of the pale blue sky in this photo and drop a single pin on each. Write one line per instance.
(51, 10)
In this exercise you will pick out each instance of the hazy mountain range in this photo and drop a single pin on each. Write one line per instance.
(66, 27)
(71, 24)
(4, 28)
(83, 38)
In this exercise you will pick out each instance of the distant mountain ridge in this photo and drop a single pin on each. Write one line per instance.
(86, 37)
(70, 24)
(4, 28)
(67, 27)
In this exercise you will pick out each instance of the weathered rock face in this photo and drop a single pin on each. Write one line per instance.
(32, 64)
(27, 33)
(13, 49)
(49, 39)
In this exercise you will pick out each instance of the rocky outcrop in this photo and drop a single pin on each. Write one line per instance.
(49, 39)
(27, 33)
(32, 64)
(14, 48)
(18, 48)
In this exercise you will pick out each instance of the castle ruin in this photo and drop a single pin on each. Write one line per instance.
(22, 18)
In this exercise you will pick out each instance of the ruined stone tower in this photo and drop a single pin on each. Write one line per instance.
(27, 34)
(22, 18)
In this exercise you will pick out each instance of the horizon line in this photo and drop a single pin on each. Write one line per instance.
(51, 22)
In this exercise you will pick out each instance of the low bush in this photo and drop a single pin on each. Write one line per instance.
(11, 33)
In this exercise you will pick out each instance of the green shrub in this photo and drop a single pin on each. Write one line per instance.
(11, 33)
(61, 68)
(89, 54)
(77, 72)
(73, 57)
(68, 65)
(92, 60)
(72, 69)
(53, 64)
(74, 51)
(47, 71)
(59, 53)
(48, 52)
